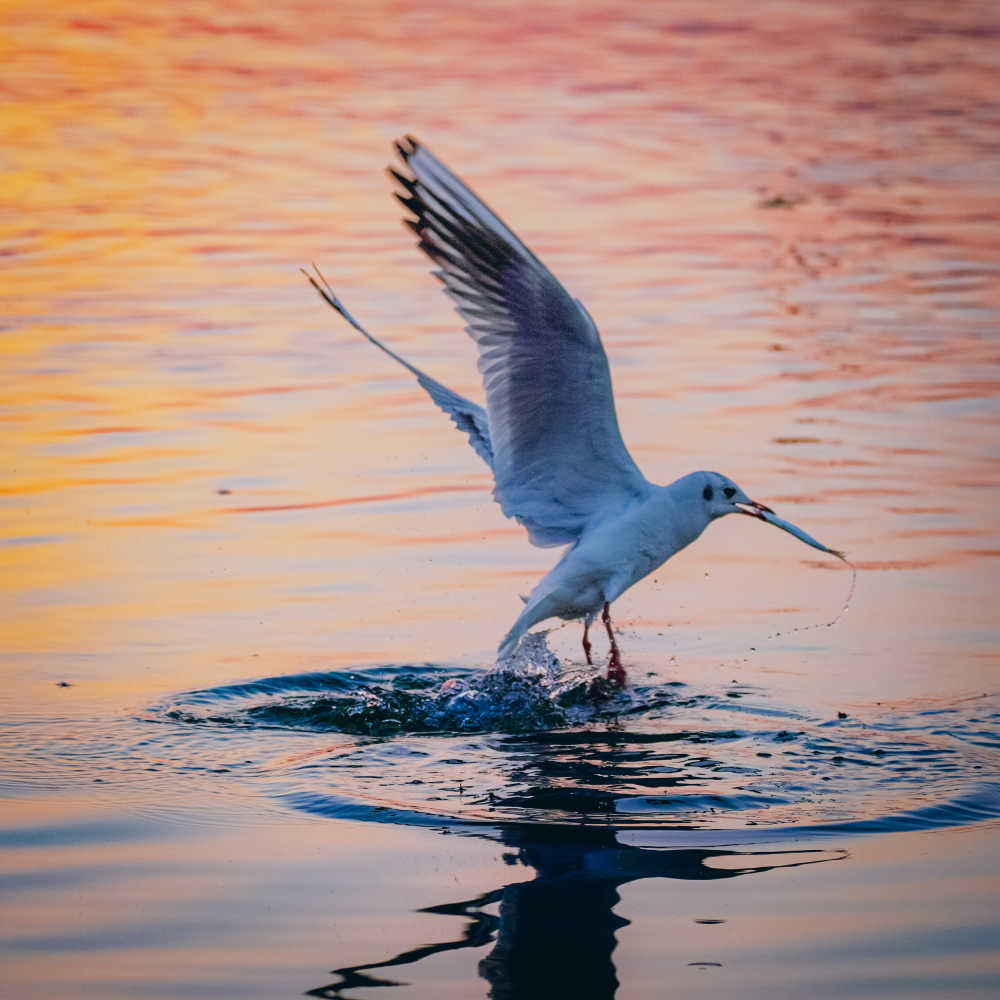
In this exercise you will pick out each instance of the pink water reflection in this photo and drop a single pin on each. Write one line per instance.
(783, 219)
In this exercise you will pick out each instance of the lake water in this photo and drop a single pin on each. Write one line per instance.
(253, 582)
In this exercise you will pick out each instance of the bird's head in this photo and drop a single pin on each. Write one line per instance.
(720, 495)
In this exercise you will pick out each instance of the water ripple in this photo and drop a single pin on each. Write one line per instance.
(540, 745)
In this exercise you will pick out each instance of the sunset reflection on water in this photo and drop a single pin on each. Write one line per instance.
(783, 219)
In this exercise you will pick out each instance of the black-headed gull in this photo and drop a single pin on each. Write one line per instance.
(549, 431)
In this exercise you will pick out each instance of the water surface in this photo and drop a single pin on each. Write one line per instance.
(252, 581)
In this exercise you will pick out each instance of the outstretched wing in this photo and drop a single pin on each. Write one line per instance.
(469, 417)
(558, 457)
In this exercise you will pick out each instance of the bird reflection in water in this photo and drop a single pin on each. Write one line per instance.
(555, 933)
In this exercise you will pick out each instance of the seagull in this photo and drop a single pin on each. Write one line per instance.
(549, 432)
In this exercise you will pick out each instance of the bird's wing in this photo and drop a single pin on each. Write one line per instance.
(558, 456)
(469, 417)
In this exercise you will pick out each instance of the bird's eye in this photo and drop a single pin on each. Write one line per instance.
(730, 492)
(707, 492)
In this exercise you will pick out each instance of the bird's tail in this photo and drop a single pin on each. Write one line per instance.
(536, 609)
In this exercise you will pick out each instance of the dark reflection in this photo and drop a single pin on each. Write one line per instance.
(555, 933)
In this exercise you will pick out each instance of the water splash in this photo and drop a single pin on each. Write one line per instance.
(838, 617)
(527, 692)
(529, 742)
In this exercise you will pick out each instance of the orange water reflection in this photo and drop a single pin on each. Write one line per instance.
(796, 284)
(784, 219)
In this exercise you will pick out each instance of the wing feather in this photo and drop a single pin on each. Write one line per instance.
(468, 417)
(559, 461)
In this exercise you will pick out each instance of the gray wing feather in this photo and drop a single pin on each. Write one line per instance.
(468, 417)
(558, 456)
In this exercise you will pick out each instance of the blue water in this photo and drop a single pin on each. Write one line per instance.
(422, 773)
(252, 743)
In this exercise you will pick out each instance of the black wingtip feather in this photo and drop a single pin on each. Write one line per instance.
(406, 147)
(413, 205)
(323, 287)
(411, 201)
(409, 183)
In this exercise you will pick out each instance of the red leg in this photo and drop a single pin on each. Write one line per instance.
(586, 642)
(616, 673)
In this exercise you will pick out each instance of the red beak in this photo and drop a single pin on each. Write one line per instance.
(753, 509)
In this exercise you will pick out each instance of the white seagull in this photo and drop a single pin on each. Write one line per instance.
(549, 432)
